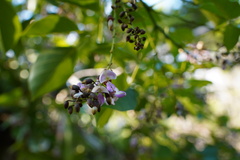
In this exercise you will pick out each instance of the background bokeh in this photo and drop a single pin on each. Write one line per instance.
(183, 88)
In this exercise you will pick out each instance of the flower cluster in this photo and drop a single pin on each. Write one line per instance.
(125, 18)
(94, 93)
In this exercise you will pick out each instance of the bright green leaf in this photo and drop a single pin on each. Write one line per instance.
(50, 71)
(199, 83)
(231, 36)
(104, 116)
(51, 24)
(10, 27)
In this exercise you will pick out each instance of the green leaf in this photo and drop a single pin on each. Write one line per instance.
(10, 27)
(104, 116)
(50, 71)
(199, 83)
(51, 24)
(6, 99)
(89, 4)
(129, 102)
(231, 36)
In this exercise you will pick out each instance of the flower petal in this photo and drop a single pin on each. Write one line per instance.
(120, 94)
(77, 95)
(110, 87)
(101, 99)
(99, 89)
(107, 75)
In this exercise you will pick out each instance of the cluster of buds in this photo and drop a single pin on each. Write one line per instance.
(94, 93)
(125, 18)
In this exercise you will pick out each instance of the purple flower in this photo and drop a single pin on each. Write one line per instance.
(99, 89)
(120, 94)
(110, 87)
(107, 75)
(101, 99)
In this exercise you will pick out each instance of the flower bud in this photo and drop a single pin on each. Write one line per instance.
(142, 31)
(122, 14)
(66, 104)
(94, 110)
(75, 87)
(88, 81)
(77, 107)
(70, 110)
(129, 30)
(124, 26)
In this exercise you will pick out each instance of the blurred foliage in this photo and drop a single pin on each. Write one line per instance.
(42, 43)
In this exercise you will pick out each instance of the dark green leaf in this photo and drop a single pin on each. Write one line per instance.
(50, 71)
(10, 27)
(89, 4)
(129, 102)
(51, 24)
(231, 36)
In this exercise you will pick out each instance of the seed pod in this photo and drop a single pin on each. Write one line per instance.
(122, 14)
(88, 81)
(70, 109)
(66, 104)
(77, 107)
(129, 30)
(75, 87)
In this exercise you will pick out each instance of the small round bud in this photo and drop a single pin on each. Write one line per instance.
(124, 26)
(66, 104)
(75, 87)
(144, 38)
(94, 110)
(128, 38)
(70, 110)
(88, 81)
(120, 21)
(131, 19)
(129, 30)
(122, 14)
(134, 6)
(142, 31)
(77, 107)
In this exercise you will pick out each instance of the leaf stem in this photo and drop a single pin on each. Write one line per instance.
(113, 38)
